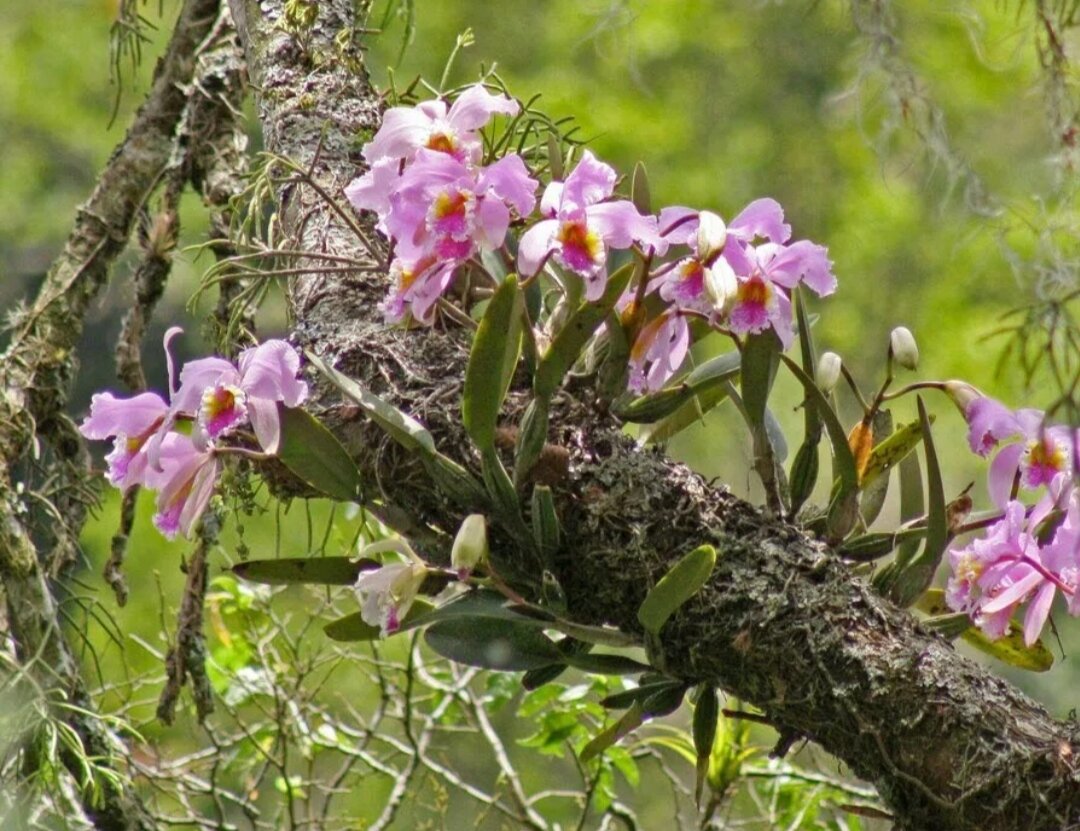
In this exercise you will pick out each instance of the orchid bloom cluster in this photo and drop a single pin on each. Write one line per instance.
(440, 207)
(173, 448)
(1030, 554)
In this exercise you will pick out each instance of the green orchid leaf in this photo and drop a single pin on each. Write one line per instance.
(496, 348)
(666, 402)
(315, 455)
(913, 577)
(472, 604)
(873, 492)
(869, 547)
(536, 678)
(682, 582)
(531, 439)
(406, 431)
(845, 460)
(492, 361)
(706, 716)
(492, 643)
(570, 341)
(808, 354)
(326, 571)
(691, 412)
(912, 504)
(760, 355)
(545, 522)
(893, 450)
(804, 474)
(624, 699)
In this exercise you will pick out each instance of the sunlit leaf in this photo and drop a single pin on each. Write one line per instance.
(682, 582)
(892, 451)
(872, 497)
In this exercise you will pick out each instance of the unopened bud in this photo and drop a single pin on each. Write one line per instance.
(711, 236)
(470, 545)
(962, 394)
(902, 347)
(721, 285)
(828, 371)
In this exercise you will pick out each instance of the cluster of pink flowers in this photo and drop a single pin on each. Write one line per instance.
(440, 207)
(1030, 554)
(171, 447)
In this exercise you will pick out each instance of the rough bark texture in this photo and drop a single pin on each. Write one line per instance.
(35, 372)
(782, 624)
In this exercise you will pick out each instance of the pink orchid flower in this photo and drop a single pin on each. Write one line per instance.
(658, 351)
(704, 281)
(445, 208)
(185, 483)
(766, 273)
(222, 396)
(581, 227)
(432, 125)
(387, 593)
(417, 287)
(1007, 567)
(428, 126)
(130, 422)
(1041, 454)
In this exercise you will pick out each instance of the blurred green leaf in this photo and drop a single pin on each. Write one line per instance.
(329, 571)
(492, 643)
(632, 719)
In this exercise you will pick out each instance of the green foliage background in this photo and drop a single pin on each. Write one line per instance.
(943, 231)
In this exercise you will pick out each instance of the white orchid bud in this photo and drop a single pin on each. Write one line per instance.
(711, 236)
(470, 545)
(721, 285)
(828, 371)
(903, 349)
(962, 394)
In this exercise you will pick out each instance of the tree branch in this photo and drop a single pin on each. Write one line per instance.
(782, 623)
(35, 372)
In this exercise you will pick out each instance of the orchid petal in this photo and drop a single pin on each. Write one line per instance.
(475, 107)
(762, 218)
